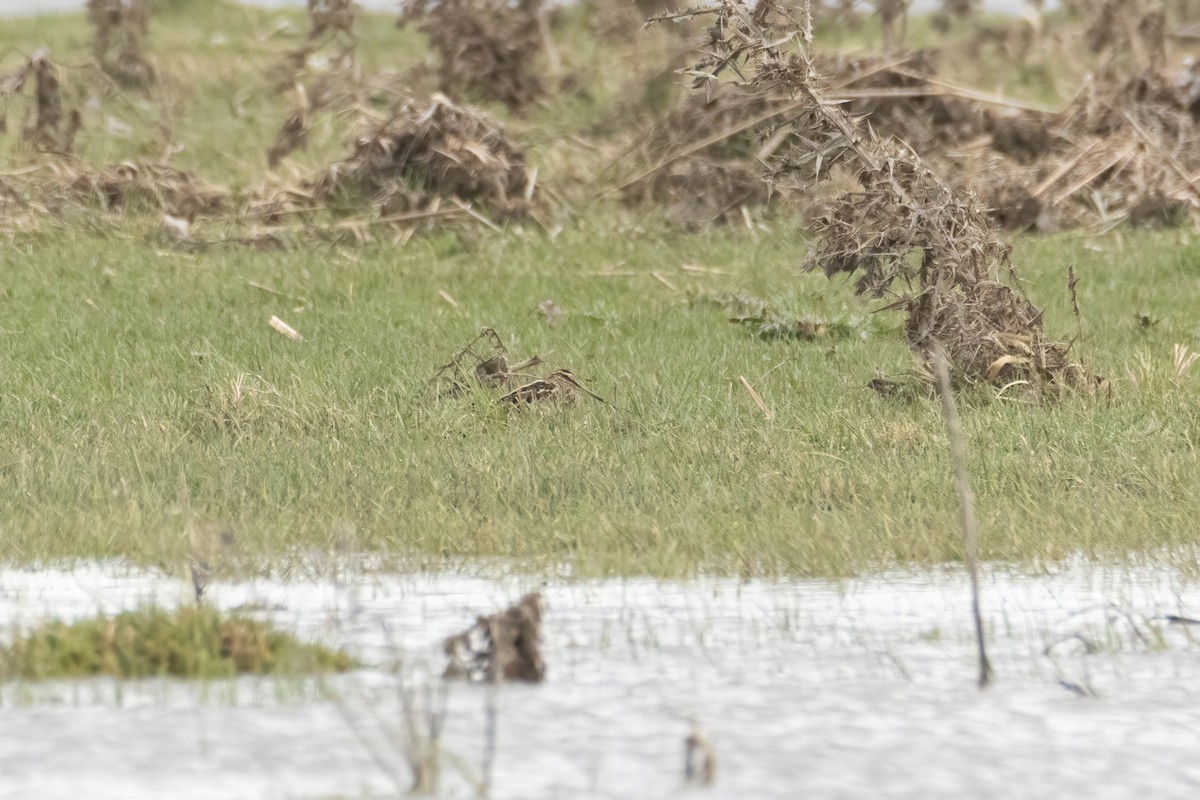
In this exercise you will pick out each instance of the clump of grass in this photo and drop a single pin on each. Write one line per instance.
(192, 642)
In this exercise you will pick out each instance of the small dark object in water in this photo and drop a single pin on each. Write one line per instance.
(200, 576)
(1076, 689)
(506, 646)
(700, 760)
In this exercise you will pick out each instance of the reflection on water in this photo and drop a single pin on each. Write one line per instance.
(806, 688)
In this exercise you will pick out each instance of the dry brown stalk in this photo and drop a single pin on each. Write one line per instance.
(423, 739)
(1072, 283)
(768, 415)
(51, 129)
(700, 759)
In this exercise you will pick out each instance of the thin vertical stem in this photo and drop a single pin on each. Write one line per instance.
(966, 498)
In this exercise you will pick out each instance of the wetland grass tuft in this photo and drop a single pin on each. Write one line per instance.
(191, 642)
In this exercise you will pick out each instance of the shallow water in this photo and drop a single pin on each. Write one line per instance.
(825, 689)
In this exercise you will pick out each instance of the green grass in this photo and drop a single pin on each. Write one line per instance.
(192, 642)
(145, 401)
(123, 435)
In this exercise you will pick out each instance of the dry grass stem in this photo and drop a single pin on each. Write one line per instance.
(966, 499)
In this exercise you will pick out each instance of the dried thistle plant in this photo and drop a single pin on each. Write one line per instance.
(119, 31)
(49, 126)
(332, 85)
(487, 48)
(902, 231)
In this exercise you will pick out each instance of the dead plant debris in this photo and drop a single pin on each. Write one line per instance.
(120, 28)
(331, 86)
(487, 49)
(902, 230)
(65, 187)
(48, 125)
(429, 152)
(505, 646)
(701, 159)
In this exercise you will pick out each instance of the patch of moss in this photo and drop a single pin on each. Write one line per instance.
(152, 642)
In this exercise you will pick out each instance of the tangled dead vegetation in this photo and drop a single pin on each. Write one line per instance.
(1124, 149)
(405, 167)
(506, 646)
(48, 125)
(902, 231)
(487, 49)
(67, 187)
(119, 32)
(702, 160)
(485, 362)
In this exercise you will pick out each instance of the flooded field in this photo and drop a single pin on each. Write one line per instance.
(861, 688)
